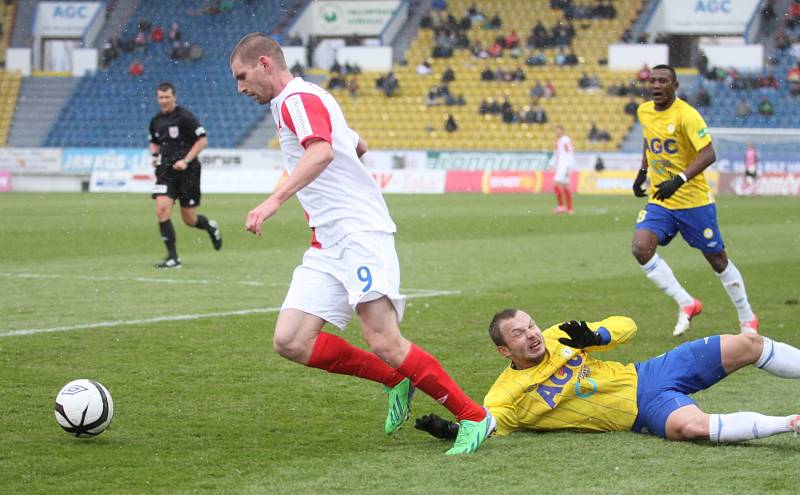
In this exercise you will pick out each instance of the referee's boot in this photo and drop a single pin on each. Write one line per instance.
(169, 263)
(214, 233)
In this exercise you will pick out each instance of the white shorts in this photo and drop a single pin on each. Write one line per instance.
(331, 282)
(562, 175)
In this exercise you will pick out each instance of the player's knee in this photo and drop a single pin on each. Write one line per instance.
(641, 252)
(693, 430)
(287, 347)
(754, 346)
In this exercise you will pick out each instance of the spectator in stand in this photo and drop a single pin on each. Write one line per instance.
(487, 74)
(140, 40)
(297, 70)
(496, 50)
(489, 106)
(495, 22)
(443, 44)
(793, 76)
(570, 57)
(353, 86)
(388, 84)
(596, 134)
(448, 75)
(537, 90)
(702, 62)
(643, 75)
(512, 40)
(549, 89)
(509, 117)
(174, 32)
(765, 107)
(109, 53)
(561, 57)
(537, 59)
(584, 82)
(539, 115)
(631, 107)
(136, 68)
(781, 39)
(336, 81)
(518, 74)
(465, 24)
(540, 37)
(424, 68)
(702, 98)
(450, 124)
(743, 108)
(157, 34)
(478, 51)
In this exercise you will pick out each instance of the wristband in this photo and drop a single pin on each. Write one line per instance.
(683, 176)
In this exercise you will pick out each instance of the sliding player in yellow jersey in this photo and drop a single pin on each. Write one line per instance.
(677, 149)
(554, 382)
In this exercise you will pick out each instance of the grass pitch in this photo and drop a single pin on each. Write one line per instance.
(203, 405)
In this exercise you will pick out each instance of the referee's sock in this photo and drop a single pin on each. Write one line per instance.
(202, 222)
(168, 236)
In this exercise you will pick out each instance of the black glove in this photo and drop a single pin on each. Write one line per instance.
(638, 190)
(438, 427)
(666, 189)
(580, 335)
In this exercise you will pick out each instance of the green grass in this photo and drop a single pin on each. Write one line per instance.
(205, 406)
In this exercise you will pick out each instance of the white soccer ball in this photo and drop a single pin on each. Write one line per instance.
(84, 408)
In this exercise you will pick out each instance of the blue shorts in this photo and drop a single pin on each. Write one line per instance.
(698, 226)
(666, 380)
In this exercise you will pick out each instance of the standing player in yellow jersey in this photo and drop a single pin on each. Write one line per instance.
(677, 149)
(554, 382)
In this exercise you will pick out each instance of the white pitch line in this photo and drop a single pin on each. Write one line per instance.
(90, 278)
(119, 323)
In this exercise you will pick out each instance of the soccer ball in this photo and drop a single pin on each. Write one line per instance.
(84, 408)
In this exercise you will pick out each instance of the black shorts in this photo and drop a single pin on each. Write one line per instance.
(183, 186)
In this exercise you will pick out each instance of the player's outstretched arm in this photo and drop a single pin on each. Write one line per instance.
(437, 427)
(318, 155)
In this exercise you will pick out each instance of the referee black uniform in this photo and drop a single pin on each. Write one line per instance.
(174, 133)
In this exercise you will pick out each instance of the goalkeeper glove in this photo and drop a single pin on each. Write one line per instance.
(638, 190)
(436, 426)
(580, 335)
(666, 189)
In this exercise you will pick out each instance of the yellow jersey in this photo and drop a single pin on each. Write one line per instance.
(672, 139)
(569, 389)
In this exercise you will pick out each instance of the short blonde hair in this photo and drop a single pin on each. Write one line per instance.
(253, 45)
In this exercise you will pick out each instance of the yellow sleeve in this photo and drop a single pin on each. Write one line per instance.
(505, 417)
(620, 328)
(695, 129)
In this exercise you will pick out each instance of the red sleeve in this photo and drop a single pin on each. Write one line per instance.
(307, 117)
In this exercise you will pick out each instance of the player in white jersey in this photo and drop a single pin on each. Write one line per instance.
(351, 264)
(563, 160)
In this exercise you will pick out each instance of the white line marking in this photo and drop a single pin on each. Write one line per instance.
(119, 323)
(154, 280)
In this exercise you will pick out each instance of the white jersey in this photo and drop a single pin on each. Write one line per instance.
(564, 154)
(344, 198)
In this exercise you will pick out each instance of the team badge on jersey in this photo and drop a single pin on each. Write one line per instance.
(173, 131)
(708, 233)
(671, 128)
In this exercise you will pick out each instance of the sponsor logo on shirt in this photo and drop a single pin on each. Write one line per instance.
(173, 131)
(702, 132)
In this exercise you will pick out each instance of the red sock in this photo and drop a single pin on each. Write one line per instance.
(427, 374)
(558, 196)
(569, 198)
(335, 355)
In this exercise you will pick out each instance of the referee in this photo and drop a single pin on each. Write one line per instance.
(176, 138)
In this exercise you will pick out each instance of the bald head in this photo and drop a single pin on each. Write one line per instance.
(254, 45)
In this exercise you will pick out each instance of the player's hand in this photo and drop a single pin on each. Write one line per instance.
(580, 335)
(436, 426)
(180, 165)
(638, 185)
(156, 160)
(666, 189)
(259, 214)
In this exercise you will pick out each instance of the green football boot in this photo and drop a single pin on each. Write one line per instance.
(399, 405)
(472, 434)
